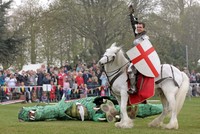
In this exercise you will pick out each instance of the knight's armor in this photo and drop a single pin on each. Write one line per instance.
(140, 39)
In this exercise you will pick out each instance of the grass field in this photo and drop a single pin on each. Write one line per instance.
(189, 123)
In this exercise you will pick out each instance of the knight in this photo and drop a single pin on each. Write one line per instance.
(140, 35)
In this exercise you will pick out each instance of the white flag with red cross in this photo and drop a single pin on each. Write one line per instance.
(145, 59)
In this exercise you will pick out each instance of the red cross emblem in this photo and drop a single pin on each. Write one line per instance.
(145, 59)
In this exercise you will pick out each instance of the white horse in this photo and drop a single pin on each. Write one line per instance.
(172, 91)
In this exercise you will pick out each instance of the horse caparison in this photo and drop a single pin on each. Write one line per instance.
(171, 95)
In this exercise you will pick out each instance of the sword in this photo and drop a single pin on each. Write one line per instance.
(131, 9)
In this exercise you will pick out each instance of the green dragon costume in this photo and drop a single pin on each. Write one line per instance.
(84, 109)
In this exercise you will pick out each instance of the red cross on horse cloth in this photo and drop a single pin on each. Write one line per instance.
(145, 59)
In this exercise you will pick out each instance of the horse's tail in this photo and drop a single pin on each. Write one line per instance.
(182, 92)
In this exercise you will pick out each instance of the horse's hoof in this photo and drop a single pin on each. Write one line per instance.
(123, 125)
(153, 125)
(118, 124)
(169, 126)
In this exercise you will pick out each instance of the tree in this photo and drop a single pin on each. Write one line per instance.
(9, 42)
(191, 34)
(101, 22)
(179, 22)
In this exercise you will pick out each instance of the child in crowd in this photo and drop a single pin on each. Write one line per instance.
(53, 92)
(6, 91)
(44, 97)
(26, 91)
(83, 90)
(75, 90)
(102, 92)
(66, 88)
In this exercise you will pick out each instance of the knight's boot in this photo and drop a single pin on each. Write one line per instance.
(132, 89)
(132, 78)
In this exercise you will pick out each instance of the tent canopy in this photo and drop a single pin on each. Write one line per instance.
(29, 67)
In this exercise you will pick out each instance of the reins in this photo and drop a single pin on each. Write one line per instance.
(114, 73)
(118, 72)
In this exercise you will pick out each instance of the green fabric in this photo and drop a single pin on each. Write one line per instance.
(146, 110)
(68, 111)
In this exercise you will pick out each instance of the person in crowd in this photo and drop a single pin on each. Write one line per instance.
(75, 91)
(61, 77)
(68, 66)
(32, 78)
(98, 74)
(52, 92)
(6, 92)
(26, 92)
(104, 79)
(40, 76)
(46, 79)
(95, 79)
(94, 66)
(80, 89)
(2, 78)
(198, 77)
(193, 77)
(11, 82)
(66, 88)
(74, 74)
(79, 67)
(44, 97)
(86, 76)
(70, 78)
(194, 90)
(104, 83)
(24, 78)
(185, 70)
(43, 68)
(79, 79)
(102, 91)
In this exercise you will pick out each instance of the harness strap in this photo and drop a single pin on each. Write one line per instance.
(114, 78)
(162, 79)
(174, 77)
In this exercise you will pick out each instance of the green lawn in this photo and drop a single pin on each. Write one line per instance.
(189, 123)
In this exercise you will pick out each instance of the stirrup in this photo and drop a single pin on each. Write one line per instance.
(131, 91)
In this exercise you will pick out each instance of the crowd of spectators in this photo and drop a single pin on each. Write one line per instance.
(74, 82)
(195, 83)
(194, 78)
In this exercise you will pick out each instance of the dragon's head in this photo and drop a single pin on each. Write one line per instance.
(26, 114)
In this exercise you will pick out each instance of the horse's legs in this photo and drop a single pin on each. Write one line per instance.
(125, 121)
(173, 123)
(158, 121)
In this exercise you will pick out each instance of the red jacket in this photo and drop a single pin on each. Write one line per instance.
(61, 79)
(79, 80)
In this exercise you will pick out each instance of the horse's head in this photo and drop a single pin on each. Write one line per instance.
(110, 54)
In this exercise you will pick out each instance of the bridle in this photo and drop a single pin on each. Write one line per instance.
(115, 73)
(109, 61)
